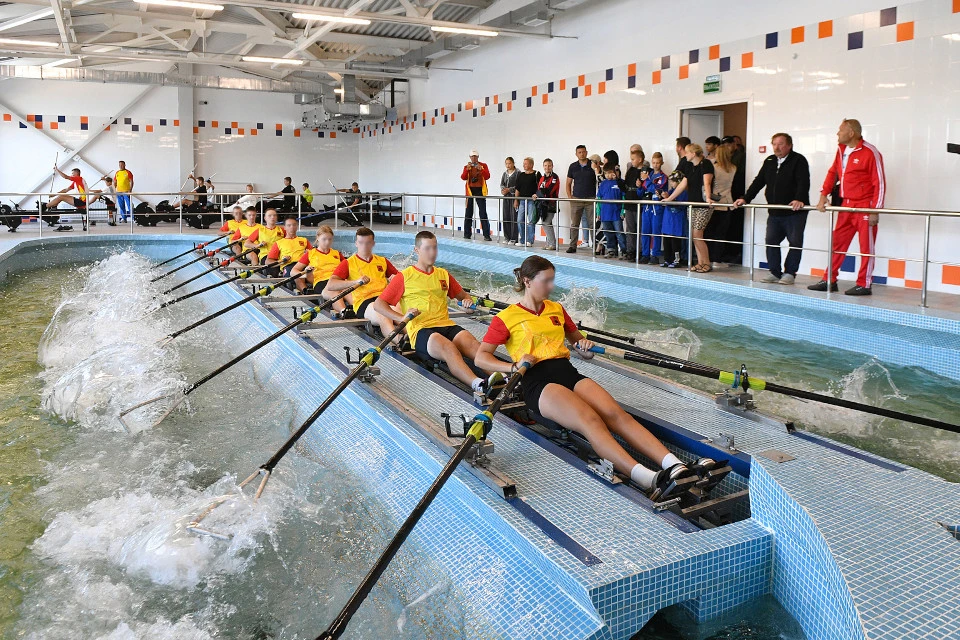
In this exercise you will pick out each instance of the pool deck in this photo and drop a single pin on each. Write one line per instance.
(853, 546)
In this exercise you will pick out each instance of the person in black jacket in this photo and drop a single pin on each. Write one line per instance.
(786, 176)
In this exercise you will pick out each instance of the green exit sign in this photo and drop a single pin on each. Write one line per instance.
(712, 84)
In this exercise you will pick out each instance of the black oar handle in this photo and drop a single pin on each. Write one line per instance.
(478, 431)
(192, 249)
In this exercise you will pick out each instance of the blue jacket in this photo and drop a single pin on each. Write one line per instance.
(655, 182)
(675, 217)
(610, 190)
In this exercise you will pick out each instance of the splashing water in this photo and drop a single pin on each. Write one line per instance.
(678, 342)
(403, 260)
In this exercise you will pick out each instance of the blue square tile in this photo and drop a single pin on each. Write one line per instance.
(888, 17)
(574, 93)
(725, 64)
(609, 75)
(772, 39)
(665, 62)
(631, 82)
(855, 40)
(694, 56)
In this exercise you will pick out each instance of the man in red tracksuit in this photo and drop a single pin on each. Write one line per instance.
(858, 167)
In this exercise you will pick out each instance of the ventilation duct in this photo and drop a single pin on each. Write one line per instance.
(332, 113)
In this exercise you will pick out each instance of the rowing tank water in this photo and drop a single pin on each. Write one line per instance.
(852, 545)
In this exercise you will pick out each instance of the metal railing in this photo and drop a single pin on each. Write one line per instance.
(446, 207)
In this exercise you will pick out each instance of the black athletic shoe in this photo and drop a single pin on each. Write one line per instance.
(822, 286)
(645, 260)
(488, 238)
(673, 482)
(572, 248)
(858, 291)
(348, 314)
(711, 472)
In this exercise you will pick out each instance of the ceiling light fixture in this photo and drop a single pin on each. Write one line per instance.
(339, 19)
(291, 61)
(184, 4)
(467, 32)
(29, 43)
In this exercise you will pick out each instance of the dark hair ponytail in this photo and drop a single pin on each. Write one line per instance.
(529, 269)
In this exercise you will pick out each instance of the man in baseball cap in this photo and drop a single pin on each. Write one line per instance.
(475, 175)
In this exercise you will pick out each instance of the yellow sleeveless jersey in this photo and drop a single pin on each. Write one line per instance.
(232, 225)
(323, 263)
(429, 293)
(376, 270)
(268, 237)
(543, 336)
(290, 249)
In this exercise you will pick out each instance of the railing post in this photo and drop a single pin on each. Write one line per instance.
(926, 261)
(753, 239)
(299, 211)
(689, 237)
(829, 271)
(371, 211)
(418, 214)
(180, 207)
(40, 212)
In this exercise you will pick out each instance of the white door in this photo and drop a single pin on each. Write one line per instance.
(700, 124)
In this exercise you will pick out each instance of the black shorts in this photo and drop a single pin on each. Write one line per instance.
(556, 371)
(423, 337)
(318, 287)
(79, 204)
(362, 310)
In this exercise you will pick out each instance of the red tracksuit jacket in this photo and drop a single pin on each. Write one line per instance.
(862, 183)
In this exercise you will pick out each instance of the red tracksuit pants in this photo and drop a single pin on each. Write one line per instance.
(851, 224)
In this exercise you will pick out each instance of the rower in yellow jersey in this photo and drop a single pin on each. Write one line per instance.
(535, 331)
(371, 271)
(425, 287)
(290, 248)
(235, 221)
(245, 229)
(265, 237)
(324, 259)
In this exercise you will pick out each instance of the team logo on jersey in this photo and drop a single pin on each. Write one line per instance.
(379, 268)
(443, 285)
(555, 320)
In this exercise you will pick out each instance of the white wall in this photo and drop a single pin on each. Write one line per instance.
(153, 151)
(907, 94)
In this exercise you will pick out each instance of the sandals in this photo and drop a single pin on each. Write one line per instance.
(701, 268)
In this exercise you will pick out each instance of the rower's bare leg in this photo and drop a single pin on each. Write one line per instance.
(385, 323)
(450, 352)
(254, 258)
(570, 410)
(621, 422)
(339, 305)
(53, 203)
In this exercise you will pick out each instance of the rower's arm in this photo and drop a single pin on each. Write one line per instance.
(380, 306)
(487, 361)
(337, 283)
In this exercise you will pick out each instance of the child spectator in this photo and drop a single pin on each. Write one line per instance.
(651, 183)
(674, 222)
(549, 187)
(306, 200)
(610, 212)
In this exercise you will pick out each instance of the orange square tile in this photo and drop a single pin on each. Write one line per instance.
(253, 131)
(54, 125)
(240, 132)
(443, 111)
(7, 117)
(509, 105)
(601, 88)
(746, 60)
(632, 69)
(714, 51)
(581, 80)
(149, 128)
(433, 121)
(279, 127)
(588, 90)
(215, 124)
(797, 34)
(817, 273)
(453, 117)
(234, 125)
(563, 85)
(107, 128)
(468, 107)
(196, 129)
(896, 268)
(656, 77)
(956, 6)
(825, 29)
(39, 125)
(333, 134)
(533, 91)
(30, 117)
(913, 284)
(84, 120)
(684, 71)
(545, 99)
(951, 274)
(496, 99)
(483, 110)
(296, 133)
(905, 31)
(176, 123)
(389, 130)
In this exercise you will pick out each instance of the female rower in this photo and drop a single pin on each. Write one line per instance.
(534, 331)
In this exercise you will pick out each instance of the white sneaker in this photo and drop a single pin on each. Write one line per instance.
(528, 244)
(550, 247)
(787, 279)
(770, 279)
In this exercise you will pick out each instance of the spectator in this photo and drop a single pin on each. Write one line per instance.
(581, 183)
(737, 152)
(124, 185)
(786, 177)
(475, 174)
(549, 187)
(591, 224)
(527, 183)
(858, 166)
(710, 146)
(508, 187)
(610, 212)
(674, 221)
(246, 200)
(194, 203)
(306, 200)
(699, 185)
(288, 202)
(355, 200)
(632, 191)
(724, 173)
(654, 183)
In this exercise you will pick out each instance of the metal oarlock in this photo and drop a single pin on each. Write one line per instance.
(194, 525)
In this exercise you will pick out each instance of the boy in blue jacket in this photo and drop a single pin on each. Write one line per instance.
(674, 221)
(652, 182)
(610, 212)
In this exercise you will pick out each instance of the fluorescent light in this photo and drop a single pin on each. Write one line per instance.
(953, 36)
(29, 43)
(202, 6)
(30, 17)
(292, 61)
(323, 18)
(467, 32)
(338, 90)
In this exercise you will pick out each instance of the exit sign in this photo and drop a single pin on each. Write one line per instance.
(712, 84)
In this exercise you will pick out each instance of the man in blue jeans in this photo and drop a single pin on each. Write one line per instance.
(786, 176)
(123, 180)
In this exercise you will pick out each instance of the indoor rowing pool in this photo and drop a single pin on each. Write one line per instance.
(98, 514)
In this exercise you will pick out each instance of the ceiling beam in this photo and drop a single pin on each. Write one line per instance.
(61, 25)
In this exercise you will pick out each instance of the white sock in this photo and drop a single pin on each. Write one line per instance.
(642, 476)
(669, 460)
(476, 383)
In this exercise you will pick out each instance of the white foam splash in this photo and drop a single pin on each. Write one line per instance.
(402, 620)
(183, 629)
(678, 342)
(403, 260)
